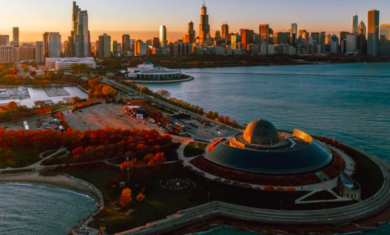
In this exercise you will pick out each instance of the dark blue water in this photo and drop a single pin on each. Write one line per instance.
(350, 102)
(27, 209)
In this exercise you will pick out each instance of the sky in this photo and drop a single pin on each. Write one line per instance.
(142, 18)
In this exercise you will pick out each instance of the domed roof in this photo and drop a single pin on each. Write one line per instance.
(261, 132)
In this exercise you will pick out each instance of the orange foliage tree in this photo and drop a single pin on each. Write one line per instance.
(140, 197)
(125, 199)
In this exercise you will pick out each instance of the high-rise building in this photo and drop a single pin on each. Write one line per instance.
(191, 32)
(46, 44)
(26, 52)
(8, 54)
(362, 29)
(217, 35)
(204, 27)
(351, 43)
(190, 35)
(384, 45)
(343, 42)
(104, 45)
(79, 44)
(281, 38)
(163, 39)
(354, 24)
(373, 33)
(294, 34)
(39, 52)
(334, 44)
(246, 37)
(264, 32)
(16, 36)
(225, 32)
(125, 44)
(4, 40)
(115, 48)
(315, 36)
(385, 31)
(54, 45)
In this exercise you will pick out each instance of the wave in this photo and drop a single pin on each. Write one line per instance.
(19, 184)
(51, 188)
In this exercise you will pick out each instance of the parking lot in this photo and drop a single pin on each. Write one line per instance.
(102, 116)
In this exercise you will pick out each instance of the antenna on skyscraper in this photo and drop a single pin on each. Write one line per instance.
(204, 3)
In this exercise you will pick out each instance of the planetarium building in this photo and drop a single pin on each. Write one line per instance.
(262, 149)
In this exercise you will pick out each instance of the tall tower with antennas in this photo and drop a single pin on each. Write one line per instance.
(204, 27)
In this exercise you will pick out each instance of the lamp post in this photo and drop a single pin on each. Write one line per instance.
(128, 169)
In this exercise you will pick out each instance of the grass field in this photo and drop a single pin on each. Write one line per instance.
(194, 149)
(161, 202)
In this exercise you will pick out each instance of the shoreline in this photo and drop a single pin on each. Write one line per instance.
(280, 64)
(65, 182)
(162, 81)
(369, 224)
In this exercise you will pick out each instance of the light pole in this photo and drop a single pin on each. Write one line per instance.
(128, 169)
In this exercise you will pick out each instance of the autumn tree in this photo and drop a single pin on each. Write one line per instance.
(163, 93)
(125, 199)
(140, 197)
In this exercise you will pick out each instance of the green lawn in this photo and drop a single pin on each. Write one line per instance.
(194, 149)
(21, 158)
(161, 202)
(158, 204)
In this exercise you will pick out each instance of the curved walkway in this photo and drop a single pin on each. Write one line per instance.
(335, 216)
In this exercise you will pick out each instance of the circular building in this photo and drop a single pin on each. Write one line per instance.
(262, 149)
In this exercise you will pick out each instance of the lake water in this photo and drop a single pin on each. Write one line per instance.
(349, 102)
(38, 94)
(27, 209)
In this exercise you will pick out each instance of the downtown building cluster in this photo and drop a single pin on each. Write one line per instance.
(373, 40)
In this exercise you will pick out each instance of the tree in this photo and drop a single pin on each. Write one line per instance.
(128, 164)
(140, 197)
(125, 199)
(109, 91)
(163, 93)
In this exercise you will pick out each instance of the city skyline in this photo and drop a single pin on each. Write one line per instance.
(110, 15)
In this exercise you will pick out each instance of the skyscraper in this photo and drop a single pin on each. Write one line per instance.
(46, 44)
(54, 45)
(125, 44)
(115, 48)
(191, 32)
(4, 40)
(79, 41)
(246, 37)
(354, 24)
(104, 47)
(264, 32)
(225, 32)
(163, 39)
(204, 27)
(362, 28)
(16, 36)
(189, 37)
(294, 33)
(385, 31)
(373, 33)
(39, 52)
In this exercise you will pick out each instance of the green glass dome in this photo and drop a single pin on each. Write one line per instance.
(261, 132)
